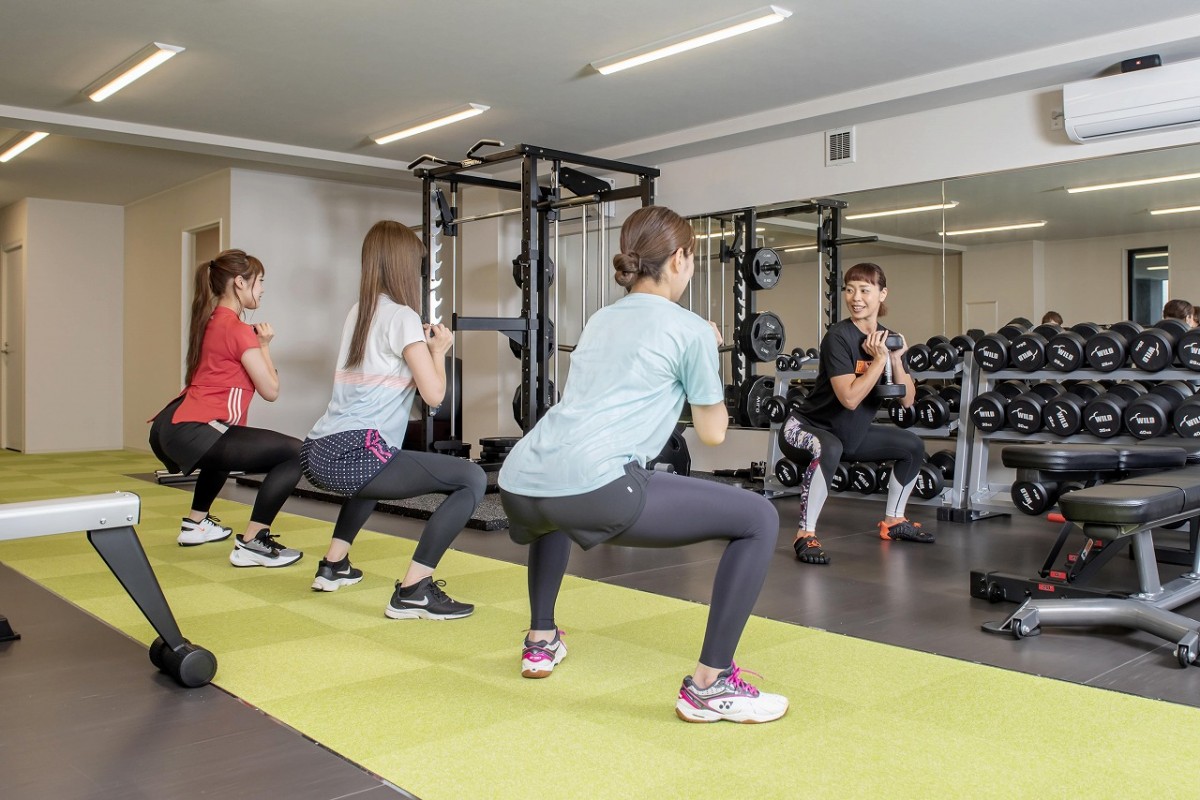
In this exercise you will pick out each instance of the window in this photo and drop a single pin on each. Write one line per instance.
(1148, 284)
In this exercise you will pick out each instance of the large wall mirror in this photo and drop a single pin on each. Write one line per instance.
(1098, 240)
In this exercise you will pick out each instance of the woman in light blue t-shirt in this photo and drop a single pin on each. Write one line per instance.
(579, 475)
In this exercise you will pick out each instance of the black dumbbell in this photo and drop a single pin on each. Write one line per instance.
(1067, 350)
(943, 460)
(1186, 418)
(936, 410)
(992, 352)
(887, 387)
(944, 356)
(1187, 349)
(1151, 414)
(1154, 348)
(1104, 415)
(1024, 412)
(787, 472)
(863, 478)
(1029, 350)
(841, 478)
(883, 474)
(1063, 415)
(1038, 497)
(930, 482)
(903, 417)
(1109, 350)
(989, 411)
(1022, 322)
(918, 357)
(775, 408)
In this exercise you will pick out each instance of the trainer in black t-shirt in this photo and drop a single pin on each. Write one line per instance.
(841, 354)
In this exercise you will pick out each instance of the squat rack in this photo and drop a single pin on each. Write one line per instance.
(539, 207)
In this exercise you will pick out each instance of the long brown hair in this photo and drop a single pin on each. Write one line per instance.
(868, 273)
(648, 238)
(391, 265)
(210, 282)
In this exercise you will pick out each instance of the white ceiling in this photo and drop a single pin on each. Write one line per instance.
(299, 85)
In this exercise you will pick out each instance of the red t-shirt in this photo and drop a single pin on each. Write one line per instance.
(221, 388)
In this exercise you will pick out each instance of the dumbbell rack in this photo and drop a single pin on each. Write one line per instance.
(952, 497)
(986, 498)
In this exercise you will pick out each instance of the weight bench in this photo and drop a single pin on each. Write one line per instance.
(1128, 509)
(1046, 473)
(109, 520)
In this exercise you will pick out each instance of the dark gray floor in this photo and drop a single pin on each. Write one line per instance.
(95, 721)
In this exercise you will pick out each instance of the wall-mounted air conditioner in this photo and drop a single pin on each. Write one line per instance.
(1143, 101)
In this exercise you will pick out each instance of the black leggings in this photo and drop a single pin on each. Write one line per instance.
(681, 511)
(411, 473)
(816, 450)
(250, 450)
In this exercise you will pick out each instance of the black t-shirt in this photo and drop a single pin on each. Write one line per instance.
(841, 354)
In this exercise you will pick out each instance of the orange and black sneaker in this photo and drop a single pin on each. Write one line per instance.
(905, 531)
(809, 551)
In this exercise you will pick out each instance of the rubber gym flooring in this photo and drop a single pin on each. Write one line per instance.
(183, 744)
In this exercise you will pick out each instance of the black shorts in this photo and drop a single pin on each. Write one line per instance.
(180, 445)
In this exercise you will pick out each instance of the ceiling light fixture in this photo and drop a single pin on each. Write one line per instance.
(798, 248)
(1162, 254)
(1155, 269)
(1124, 184)
(743, 23)
(429, 123)
(1015, 227)
(20, 144)
(130, 70)
(898, 211)
(1176, 210)
(723, 234)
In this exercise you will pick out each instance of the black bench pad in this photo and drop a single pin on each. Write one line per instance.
(1092, 457)
(1135, 501)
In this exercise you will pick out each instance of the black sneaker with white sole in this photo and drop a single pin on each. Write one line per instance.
(425, 600)
(264, 550)
(332, 576)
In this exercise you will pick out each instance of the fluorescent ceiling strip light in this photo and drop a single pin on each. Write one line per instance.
(20, 145)
(798, 248)
(457, 115)
(131, 69)
(1016, 227)
(1152, 269)
(723, 234)
(1177, 210)
(898, 211)
(743, 23)
(1124, 184)
(1163, 254)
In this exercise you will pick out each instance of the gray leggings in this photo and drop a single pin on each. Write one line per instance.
(679, 511)
(411, 473)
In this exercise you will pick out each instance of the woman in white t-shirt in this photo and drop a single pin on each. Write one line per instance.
(387, 355)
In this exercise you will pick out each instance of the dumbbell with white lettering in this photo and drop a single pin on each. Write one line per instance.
(1030, 350)
(863, 477)
(934, 474)
(919, 357)
(1151, 414)
(1063, 415)
(1024, 412)
(1067, 351)
(1154, 348)
(1104, 416)
(883, 474)
(936, 410)
(1186, 418)
(992, 352)
(989, 410)
(945, 355)
(1187, 349)
(1035, 496)
(903, 417)
(1109, 350)
(841, 478)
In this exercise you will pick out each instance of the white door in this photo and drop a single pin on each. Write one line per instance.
(12, 348)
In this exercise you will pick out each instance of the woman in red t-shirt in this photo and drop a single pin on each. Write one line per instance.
(205, 427)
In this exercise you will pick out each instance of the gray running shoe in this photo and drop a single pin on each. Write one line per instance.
(264, 550)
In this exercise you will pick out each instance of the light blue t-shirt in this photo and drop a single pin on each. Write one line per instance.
(379, 392)
(636, 362)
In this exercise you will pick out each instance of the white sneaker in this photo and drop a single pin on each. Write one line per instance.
(208, 529)
(264, 550)
(729, 698)
(539, 659)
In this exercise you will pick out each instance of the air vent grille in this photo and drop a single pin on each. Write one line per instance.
(839, 147)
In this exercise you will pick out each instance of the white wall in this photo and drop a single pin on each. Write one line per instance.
(13, 233)
(74, 300)
(156, 265)
(308, 234)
